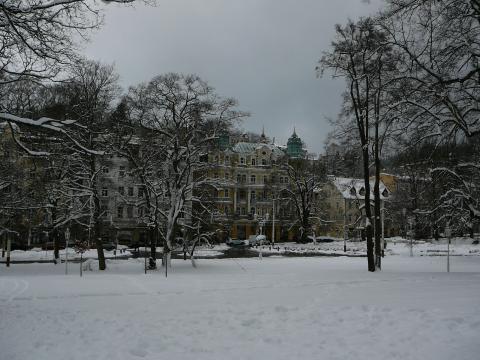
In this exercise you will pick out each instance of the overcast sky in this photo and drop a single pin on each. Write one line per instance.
(261, 52)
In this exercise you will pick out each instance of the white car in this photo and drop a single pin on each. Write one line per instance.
(257, 239)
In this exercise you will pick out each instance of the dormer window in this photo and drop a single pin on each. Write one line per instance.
(353, 192)
(362, 191)
(385, 193)
(242, 161)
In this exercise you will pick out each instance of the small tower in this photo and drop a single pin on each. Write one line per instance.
(295, 146)
(223, 141)
(263, 138)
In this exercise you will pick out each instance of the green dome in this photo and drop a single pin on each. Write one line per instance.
(295, 146)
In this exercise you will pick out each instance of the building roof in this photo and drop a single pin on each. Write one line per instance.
(351, 188)
(247, 147)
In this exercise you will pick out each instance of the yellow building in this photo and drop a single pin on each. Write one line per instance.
(343, 204)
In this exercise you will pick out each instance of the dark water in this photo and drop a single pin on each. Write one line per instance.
(247, 252)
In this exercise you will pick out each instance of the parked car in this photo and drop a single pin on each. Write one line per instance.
(50, 245)
(109, 246)
(236, 242)
(324, 239)
(257, 240)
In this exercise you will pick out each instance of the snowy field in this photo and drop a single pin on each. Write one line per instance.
(395, 246)
(275, 308)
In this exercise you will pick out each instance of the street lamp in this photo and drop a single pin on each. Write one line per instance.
(448, 234)
(67, 238)
(411, 222)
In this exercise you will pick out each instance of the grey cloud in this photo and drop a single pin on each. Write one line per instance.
(262, 52)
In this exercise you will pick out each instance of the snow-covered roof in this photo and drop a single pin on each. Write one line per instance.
(247, 147)
(351, 188)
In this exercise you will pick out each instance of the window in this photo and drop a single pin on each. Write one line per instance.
(227, 159)
(105, 170)
(226, 193)
(253, 196)
(225, 210)
(244, 178)
(242, 161)
(252, 210)
(140, 211)
(227, 176)
(130, 191)
(264, 162)
(216, 176)
(253, 179)
(121, 172)
(104, 191)
(265, 179)
(120, 212)
(239, 178)
(242, 211)
(253, 162)
(281, 179)
(140, 192)
(121, 190)
(129, 212)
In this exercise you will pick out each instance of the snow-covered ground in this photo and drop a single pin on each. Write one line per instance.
(275, 308)
(395, 246)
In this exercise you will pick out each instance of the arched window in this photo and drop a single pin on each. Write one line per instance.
(264, 162)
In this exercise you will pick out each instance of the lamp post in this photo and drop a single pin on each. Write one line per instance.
(411, 234)
(273, 221)
(448, 234)
(345, 231)
(67, 238)
(384, 242)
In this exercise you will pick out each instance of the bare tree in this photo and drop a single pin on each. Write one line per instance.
(357, 55)
(306, 178)
(91, 91)
(38, 42)
(186, 116)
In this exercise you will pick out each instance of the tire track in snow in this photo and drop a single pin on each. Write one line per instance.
(19, 287)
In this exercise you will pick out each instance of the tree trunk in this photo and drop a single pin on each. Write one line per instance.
(368, 211)
(96, 217)
(377, 203)
(153, 248)
(56, 239)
